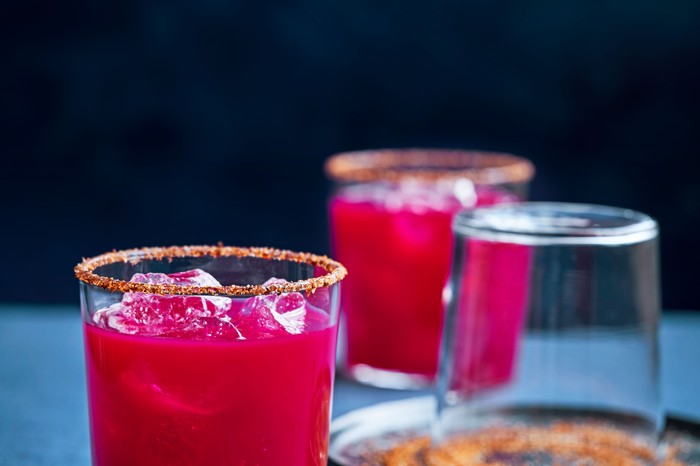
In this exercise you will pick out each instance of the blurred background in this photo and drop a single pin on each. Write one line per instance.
(156, 122)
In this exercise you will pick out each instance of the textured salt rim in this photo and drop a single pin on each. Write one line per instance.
(485, 168)
(85, 271)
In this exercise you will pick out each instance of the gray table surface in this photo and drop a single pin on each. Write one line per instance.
(43, 408)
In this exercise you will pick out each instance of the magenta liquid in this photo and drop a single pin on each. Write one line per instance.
(491, 310)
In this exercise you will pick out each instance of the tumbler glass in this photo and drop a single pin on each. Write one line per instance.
(549, 350)
(390, 217)
(209, 355)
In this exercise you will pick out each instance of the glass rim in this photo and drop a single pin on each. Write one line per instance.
(550, 223)
(85, 270)
(428, 164)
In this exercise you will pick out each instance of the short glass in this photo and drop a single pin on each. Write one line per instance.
(390, 216)
(549, 348)
(209, 355)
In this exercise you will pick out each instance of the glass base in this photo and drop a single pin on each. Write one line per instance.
(382, 378)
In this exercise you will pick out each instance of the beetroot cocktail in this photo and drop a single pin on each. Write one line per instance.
(209, 355)
(390, 222)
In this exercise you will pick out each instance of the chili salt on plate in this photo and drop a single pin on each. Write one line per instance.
(397, 433)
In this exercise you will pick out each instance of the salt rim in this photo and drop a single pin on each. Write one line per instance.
(486, 168)
(85, 271)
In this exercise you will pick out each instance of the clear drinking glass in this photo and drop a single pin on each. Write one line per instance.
(209, 355)
(390, 217)
(549, 347)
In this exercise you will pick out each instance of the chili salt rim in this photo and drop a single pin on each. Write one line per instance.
(486, 168)
(85, 271)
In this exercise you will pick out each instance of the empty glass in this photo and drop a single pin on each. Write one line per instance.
(549, 350)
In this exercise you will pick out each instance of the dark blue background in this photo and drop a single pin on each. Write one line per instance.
(160, 122)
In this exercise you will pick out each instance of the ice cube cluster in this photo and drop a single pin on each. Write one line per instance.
(419, 197)
(416, 196)
(203, 317)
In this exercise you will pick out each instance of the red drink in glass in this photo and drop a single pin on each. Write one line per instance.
(210, 380)
(175, 401)
(395, 238)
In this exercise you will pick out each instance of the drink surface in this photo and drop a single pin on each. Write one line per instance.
(397, 243)
(209, 380)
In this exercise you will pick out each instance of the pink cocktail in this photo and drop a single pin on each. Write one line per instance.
(390, 222)
(218, 375)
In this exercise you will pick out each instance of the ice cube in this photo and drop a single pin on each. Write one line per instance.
(273, 314)
(113, 317)
(150, 314)
(465, 192)
(195, 277)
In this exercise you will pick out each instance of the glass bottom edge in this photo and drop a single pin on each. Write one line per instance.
(382, 378)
